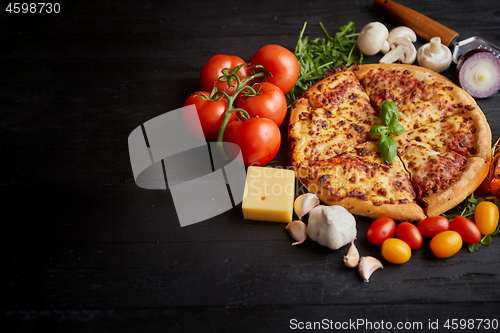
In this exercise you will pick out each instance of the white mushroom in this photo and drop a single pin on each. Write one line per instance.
(434, 55)
(373, 38)
(331, 226)
(402, 49)
(402, 32)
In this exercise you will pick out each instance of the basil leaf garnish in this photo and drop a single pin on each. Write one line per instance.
(378, 130)
(388, 148)
(396, 129)
(389, 113)
(387, 145)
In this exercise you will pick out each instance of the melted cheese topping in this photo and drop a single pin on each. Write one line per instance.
(334, 157)
(419, 103)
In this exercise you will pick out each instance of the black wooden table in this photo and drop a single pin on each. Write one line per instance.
(84, 249)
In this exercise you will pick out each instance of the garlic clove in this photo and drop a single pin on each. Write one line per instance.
(298, 231)
(305, 203)
(351, 259)
(368, 265)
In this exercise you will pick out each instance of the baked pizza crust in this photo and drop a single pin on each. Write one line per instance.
(470, 178)
(418, 72)
(411, 208)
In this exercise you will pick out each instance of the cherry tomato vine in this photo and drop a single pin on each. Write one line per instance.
(241, 87)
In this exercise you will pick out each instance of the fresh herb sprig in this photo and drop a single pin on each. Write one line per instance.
(387, 145)
(468, 211)
(317, 55)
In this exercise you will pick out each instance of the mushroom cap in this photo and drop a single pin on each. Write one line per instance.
(434, 55)
(372, 37)
(402, 32)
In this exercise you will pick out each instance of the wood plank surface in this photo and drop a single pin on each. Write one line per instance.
(87, 250)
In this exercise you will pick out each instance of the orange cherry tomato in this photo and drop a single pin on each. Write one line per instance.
(380, 229)
(486, 217)
(431, 226)
(396, 251)
(410, 234)
(467, 229)
(446, 243)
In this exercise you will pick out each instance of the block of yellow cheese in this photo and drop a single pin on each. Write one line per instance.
(269, 194)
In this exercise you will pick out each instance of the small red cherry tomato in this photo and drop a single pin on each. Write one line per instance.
(396, 251)
(281, 63)
(486, 217)
(270, 103)
(431, 226)
(381, 229)
(446, 243)
(212, 71)
(210, 113)
(258, 138)
(467, 229)
(409, 233)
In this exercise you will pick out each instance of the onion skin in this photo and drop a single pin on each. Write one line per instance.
(479, 73)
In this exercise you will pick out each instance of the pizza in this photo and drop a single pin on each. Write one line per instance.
(442, 156)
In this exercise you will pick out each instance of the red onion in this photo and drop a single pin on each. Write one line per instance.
(479, 73)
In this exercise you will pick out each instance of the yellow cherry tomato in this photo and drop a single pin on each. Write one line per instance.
(486, 217)
(396, 251)
(446, 243)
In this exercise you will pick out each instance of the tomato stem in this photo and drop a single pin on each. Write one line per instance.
(241, 85)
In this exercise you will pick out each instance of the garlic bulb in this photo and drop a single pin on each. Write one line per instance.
(331, 226)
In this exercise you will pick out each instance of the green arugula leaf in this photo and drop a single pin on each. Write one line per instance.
(474, 247)
(317, 55)
(487, 240)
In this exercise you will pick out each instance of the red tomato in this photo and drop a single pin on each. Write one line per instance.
(212, 71)
(467, 229)
(211, 115)
(486, 217)
(380, 230)
(281, 63)
(258, 138)
(271, 103)
(431, 226)
(409, 233)
(446, 243)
